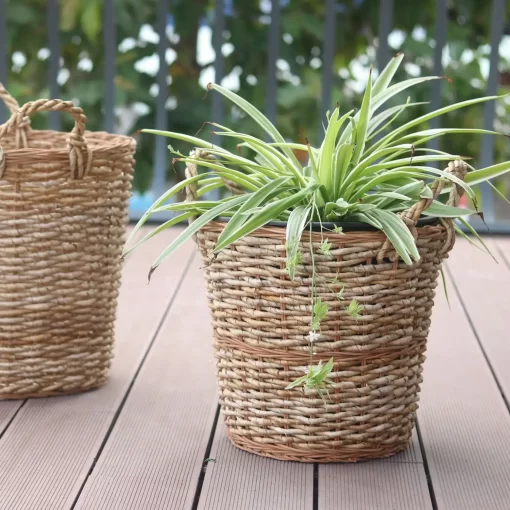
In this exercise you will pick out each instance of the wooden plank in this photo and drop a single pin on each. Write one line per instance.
(375, 485)
(497, 29)
(4, 70)
(396, 483)
(464, 423)
(54, 61)
(156, 451)
(242, 480)
(273, 52)
(110, 53)
(386, 8)
(441, 32)
(219, 62)
(484, 287)
(48, 450)
(160, 142)
(328, 57)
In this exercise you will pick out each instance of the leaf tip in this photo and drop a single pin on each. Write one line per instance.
(152, 269)
(208, 88)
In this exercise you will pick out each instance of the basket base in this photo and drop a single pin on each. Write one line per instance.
(321, 456)
(57, 393)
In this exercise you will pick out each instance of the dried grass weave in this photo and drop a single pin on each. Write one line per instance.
(261, 319)
(63, 214)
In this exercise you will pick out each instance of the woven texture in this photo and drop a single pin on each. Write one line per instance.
(63, 213)
(261, 320)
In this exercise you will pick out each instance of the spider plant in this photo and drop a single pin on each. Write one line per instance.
(368, 169)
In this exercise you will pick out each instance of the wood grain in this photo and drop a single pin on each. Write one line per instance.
(49, 448)
(463, 419)
(155, 454)
(484, 289)
(236, 479)
(396, 483)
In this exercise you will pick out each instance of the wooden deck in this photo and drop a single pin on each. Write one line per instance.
(141, 441)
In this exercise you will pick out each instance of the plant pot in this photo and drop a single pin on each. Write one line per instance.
(261, 319)
(63, 215)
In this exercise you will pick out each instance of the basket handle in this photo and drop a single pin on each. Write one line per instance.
(80, 156)
(13, 106)
(9, 101)
(457, 168)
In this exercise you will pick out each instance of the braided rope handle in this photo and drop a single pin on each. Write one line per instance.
(457, 168)
(80, 156)
(9, 101)
(13, 106)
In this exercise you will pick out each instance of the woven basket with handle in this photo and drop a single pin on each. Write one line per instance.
(63, 213)
(261, 319)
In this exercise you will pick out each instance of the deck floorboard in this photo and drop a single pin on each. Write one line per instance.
(50, 446)
(140, 441)
(155, 454)
(464, 423)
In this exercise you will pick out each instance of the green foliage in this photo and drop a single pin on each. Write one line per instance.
(315, 377)
(299, 75)
(325, 248)
(380, 180)
(354, 309)
(372, 181)
(319, 312)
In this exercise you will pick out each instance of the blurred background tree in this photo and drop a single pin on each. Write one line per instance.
(190, 62)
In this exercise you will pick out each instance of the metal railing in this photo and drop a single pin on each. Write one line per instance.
(160, 157)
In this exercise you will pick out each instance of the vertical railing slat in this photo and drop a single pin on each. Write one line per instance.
(441, 31)
(219, 27)
(219, 71)
(110, 50)
(54, 60)
(160, 144)
(3, 56)
(385, 26)
(328, 55)
(487, 151)
(273, 53)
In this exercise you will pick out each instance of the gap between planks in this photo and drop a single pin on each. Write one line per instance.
(483, 287)
(50, 446)
(464, 423)
(155, 454)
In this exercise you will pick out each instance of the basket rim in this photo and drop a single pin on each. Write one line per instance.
(102, 140)
(105, 146)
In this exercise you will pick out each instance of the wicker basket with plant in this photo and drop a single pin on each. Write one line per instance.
(321, 277)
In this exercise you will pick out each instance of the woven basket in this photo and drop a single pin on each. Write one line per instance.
(63, 213)
(261, 320)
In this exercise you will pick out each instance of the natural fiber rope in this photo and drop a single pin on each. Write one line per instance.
(261, 320)
(388, 353)
(411, 216)
(80, 156)
(24, 126)
(63, 213)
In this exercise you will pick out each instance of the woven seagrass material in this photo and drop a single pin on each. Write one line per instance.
(63, 213)
(261, 319)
